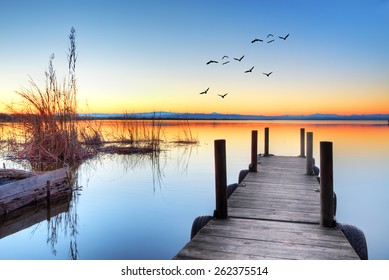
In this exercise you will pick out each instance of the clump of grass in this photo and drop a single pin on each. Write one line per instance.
(185, 136)
(135, 136)
(48, 116)
(90, 133)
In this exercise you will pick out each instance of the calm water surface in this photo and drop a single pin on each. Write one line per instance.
(132, 207)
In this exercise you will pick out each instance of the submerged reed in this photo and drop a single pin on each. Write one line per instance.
(185, 135)
(135, 136)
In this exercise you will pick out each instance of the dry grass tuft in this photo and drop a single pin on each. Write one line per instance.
(185, 136)
(48, 116)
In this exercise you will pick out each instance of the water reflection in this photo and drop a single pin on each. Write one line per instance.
(67, 222)
(142, 206)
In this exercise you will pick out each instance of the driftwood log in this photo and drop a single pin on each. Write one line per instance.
(32, 189)
(16, 174)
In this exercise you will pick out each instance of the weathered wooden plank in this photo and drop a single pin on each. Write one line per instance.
(273, 214)
(20, 193)
(239, 248)
(33, 182)
(277, 195)
(15, 173)
(269, 239)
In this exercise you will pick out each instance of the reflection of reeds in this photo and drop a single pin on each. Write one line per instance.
(67, 222)
(135, 136)
(185, 135)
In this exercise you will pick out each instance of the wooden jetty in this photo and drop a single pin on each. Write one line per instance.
(36, 187)
(276, 212)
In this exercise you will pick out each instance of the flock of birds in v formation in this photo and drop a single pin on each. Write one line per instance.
(270, 40)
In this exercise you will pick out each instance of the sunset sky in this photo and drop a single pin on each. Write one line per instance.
(141, 56)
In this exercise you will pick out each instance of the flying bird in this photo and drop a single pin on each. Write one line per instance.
(270, 41)
(223, 95)
(250, 70)
(225, 56)
(256, 40)
(283, 38)
(270, 35)
(267, 74)
(239, 59)
(212, 61)
(205, 91)
(226, 62)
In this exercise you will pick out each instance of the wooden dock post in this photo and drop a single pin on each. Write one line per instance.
(266, 153)
(326, 185)
(220, 180)
(254, 151)
(302, 142)
(309, 153)
(48, 190)
(48, 200)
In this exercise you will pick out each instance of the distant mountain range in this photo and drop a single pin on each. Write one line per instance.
(217, 116)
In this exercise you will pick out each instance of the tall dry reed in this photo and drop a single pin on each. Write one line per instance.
(136, 135)
(48, 115)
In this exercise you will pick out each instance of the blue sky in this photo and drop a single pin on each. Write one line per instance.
(151, 55)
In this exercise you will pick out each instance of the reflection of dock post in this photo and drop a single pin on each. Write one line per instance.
(302, 142)
(254, 151)
(220, 180)
(326, 185)
(266, 153)
(309, 153)
(48, 198)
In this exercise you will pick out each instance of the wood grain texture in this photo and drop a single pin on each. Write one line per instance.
(273, 214)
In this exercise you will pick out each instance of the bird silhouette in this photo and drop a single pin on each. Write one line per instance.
(256, 40)
(205, 91)
(270, 35)
(250, 70)
(212, 61)
(283, 38)
(223, 95)
(239, 59)
(226, 62)
(267, 74)
(270, 41)
(224, 56)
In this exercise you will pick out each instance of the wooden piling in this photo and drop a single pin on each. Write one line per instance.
(266, 153)
(48, 200)
(48, 191)
(326, 185)
(220, 179)
(302, 142)
(254, 151)
(309, 153)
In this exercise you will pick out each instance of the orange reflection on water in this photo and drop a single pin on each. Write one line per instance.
(284, 136)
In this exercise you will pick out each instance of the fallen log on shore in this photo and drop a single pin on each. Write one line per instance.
(38, 186)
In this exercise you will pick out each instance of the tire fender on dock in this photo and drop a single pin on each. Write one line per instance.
(242, 175)
(198, 224)
(357, 239)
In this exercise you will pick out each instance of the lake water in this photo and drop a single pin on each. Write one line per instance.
(137, 207)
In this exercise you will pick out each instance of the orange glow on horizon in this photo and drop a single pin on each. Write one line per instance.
(244, 104)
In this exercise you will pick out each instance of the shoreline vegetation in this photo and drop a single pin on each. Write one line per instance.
(45, 129)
